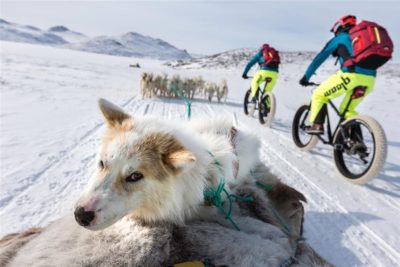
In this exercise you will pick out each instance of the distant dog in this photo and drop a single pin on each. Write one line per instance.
(198, 85)
(210, 89)
(222, 91)
(146, 85)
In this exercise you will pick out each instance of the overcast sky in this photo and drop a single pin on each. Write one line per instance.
(208, 26)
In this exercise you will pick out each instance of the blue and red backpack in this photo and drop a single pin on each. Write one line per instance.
(372, 46)
(270, 55)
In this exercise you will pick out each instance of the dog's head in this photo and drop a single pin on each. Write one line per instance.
(137, 166)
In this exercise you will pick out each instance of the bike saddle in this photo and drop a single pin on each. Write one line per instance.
(358, 92)
(268, 79)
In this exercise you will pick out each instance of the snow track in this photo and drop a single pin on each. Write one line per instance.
(43, 183)
(58, 159)
(361, 238)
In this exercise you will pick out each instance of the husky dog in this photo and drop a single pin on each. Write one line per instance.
(198, 84)
(144, 205)
(209, 89)
(222, 91)
(143, 84)
(142, 162)
(164, 85)
(146, 85)
(157, 85)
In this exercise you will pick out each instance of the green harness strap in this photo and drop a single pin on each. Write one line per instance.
(178, 92)
(292, 260)
(213, 196)
(286, 227)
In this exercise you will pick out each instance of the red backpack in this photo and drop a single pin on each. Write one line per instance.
(372, 46)
(271, 56)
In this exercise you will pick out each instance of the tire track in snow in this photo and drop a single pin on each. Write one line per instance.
(371, 238)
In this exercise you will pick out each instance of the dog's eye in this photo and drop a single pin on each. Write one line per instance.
(101, 164)
(134, 177)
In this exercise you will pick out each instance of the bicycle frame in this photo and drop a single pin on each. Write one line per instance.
(339, 126)
(260, 93)
(331, 134)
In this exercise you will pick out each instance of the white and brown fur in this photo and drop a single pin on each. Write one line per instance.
(177, 165)
(161, 219)
(210, 89)
(222, 91)
(146, 85)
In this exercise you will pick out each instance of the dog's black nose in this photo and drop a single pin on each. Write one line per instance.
(83, 217)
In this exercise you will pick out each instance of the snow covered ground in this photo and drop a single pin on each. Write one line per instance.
(50, 128)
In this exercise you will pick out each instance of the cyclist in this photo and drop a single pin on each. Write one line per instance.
(344, 81)
(268, 61)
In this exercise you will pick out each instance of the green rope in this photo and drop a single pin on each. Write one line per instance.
(189, 109)
(280, 221)
(275, 213)
(265, 186)
(292, 259)
(188, 103)
(213, 196)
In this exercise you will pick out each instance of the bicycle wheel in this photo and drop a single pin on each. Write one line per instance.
(247, 98)
(361, 156)
(266, 113)
(303, 140)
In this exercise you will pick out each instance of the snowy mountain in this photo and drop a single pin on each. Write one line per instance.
(104, 45)
(129, 45)
(132, 45)
(68, 35)
(28, 34)
(151, 46)
(232, 59)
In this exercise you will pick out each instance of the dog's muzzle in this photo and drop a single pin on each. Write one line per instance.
(84, 218)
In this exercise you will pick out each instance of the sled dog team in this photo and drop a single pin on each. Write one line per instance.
(161, 85)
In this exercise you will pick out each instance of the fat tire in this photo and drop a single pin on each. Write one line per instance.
(271, 114)
(380, 153)
(295, 131)
(246, 102)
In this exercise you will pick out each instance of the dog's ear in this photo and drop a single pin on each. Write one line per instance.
(181, 159)
(113, 114)
(176, 156)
